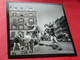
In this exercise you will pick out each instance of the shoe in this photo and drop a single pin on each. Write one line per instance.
(59, 48)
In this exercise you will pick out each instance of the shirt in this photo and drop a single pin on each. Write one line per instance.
(27, 38)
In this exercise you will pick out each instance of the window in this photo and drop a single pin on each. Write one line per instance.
(14, 24)
(21, 27)
(21, 21)
(12, 34)
(14, 14)
(31, 21)
(30, 14)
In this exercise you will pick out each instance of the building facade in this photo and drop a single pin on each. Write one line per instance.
(61, 31)
(21, 20)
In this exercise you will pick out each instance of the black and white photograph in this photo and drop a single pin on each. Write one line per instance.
(38, 30)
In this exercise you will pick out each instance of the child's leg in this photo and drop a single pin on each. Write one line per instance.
(52, 39)
(57, 43)
(31, 45)
(14, 46)
(28, 47)
(19, 46)
(25, 48)
(55, 39)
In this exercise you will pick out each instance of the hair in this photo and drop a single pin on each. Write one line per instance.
(27, 32)
(46, 25)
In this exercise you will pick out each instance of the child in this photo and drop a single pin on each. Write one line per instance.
(27, 39)
(17, 40)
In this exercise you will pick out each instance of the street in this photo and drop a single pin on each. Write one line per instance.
(47, 49)
(66, 48)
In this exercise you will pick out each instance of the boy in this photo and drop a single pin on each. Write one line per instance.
(17, 40)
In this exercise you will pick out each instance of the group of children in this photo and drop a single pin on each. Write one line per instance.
(49, 31)
(27, 43)
(29, 40)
